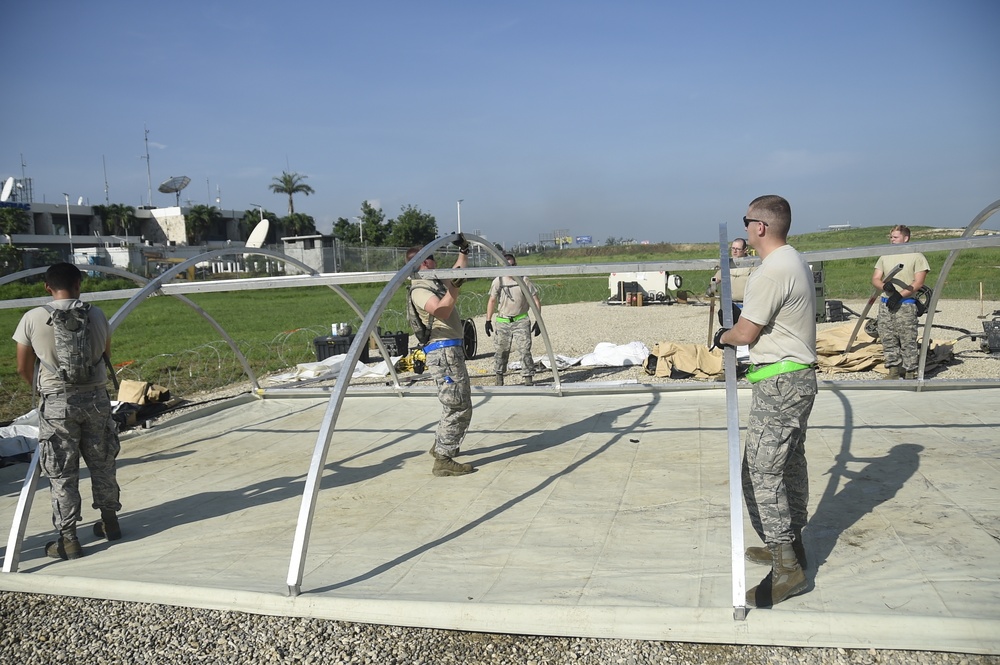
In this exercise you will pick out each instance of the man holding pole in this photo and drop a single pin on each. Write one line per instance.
(778, 322)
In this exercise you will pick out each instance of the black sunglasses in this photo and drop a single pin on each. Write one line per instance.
(747, 222)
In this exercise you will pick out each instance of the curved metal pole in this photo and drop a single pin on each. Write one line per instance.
(378, 338)
(973, 226)
(310, 492)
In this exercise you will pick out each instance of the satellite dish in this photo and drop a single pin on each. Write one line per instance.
(7, 188)
(257, 236)
(174, 186)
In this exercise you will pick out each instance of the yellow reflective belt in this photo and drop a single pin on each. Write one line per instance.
(774, 369)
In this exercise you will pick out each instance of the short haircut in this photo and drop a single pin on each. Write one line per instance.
(510, 257)
(902, 228)
(777, 213)
(411, 252)
(741, 241)
(63, 277)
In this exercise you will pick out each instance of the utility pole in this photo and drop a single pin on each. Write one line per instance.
(149, 179)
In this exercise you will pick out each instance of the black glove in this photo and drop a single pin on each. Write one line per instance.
(488, 328)
(461, 243)
(717, 340)
(888, 288)
(894, 301)
(536, 330)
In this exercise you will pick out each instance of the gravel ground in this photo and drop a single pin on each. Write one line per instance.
(47, 629)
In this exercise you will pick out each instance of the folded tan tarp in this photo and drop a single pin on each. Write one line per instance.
(866, 352)
(684, 360)
(142, 392)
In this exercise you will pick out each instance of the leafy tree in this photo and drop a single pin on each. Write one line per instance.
(13, 220)
(290, 183)
(11, 257)
(298, 224)
(116, 219)
(373, 223)
(412, 227)
(200, 219)
(346, 232)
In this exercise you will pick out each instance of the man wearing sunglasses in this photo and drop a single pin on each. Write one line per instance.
(437, 305)
(779, 324)
(897, 314)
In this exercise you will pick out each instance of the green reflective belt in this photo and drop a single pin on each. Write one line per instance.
(774, 369)
(504, 319)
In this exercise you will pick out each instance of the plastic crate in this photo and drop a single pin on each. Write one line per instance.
(331, 345)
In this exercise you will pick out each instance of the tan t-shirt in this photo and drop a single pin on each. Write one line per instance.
(781, 296)
(450, 328)
(509, 296)
(737, 279)
(33, 330)
(912, 264)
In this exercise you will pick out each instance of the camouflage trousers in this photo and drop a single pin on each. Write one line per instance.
(70, 426)
(775, 477)
(516, 335)
(898, 334)
(447, 366)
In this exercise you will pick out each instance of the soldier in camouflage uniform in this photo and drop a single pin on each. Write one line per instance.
(436, 303)
(779, 324)
(513, 327)
(897, 313)
(73, 420)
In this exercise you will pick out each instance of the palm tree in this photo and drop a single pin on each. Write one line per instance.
(200, 219)
(119, 219)
(291, 183)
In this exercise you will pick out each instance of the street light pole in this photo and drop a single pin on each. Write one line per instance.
(364, 247)
(69, 228)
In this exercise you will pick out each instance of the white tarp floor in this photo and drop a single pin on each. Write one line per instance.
(597, 515)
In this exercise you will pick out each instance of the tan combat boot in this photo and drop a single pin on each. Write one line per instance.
(762, 555)
(67, 547)
(786, 579)
(446, 466)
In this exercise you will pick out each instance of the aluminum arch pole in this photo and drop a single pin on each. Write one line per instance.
(973, 226)
(310, 490)
(733, 431)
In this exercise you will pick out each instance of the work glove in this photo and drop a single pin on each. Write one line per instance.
(894, 301)
(536, 330)
(888, 288)
(461, 243)
(488, 328)
(717, 340)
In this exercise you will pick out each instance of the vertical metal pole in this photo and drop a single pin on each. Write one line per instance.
(460, 215)
(69, 229)
(733, 430)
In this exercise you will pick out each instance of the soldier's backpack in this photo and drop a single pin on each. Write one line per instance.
(71, 328)
(421, 330)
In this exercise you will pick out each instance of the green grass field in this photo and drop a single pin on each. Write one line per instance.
(165, 342)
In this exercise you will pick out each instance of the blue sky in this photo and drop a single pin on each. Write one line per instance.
(646, 120)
